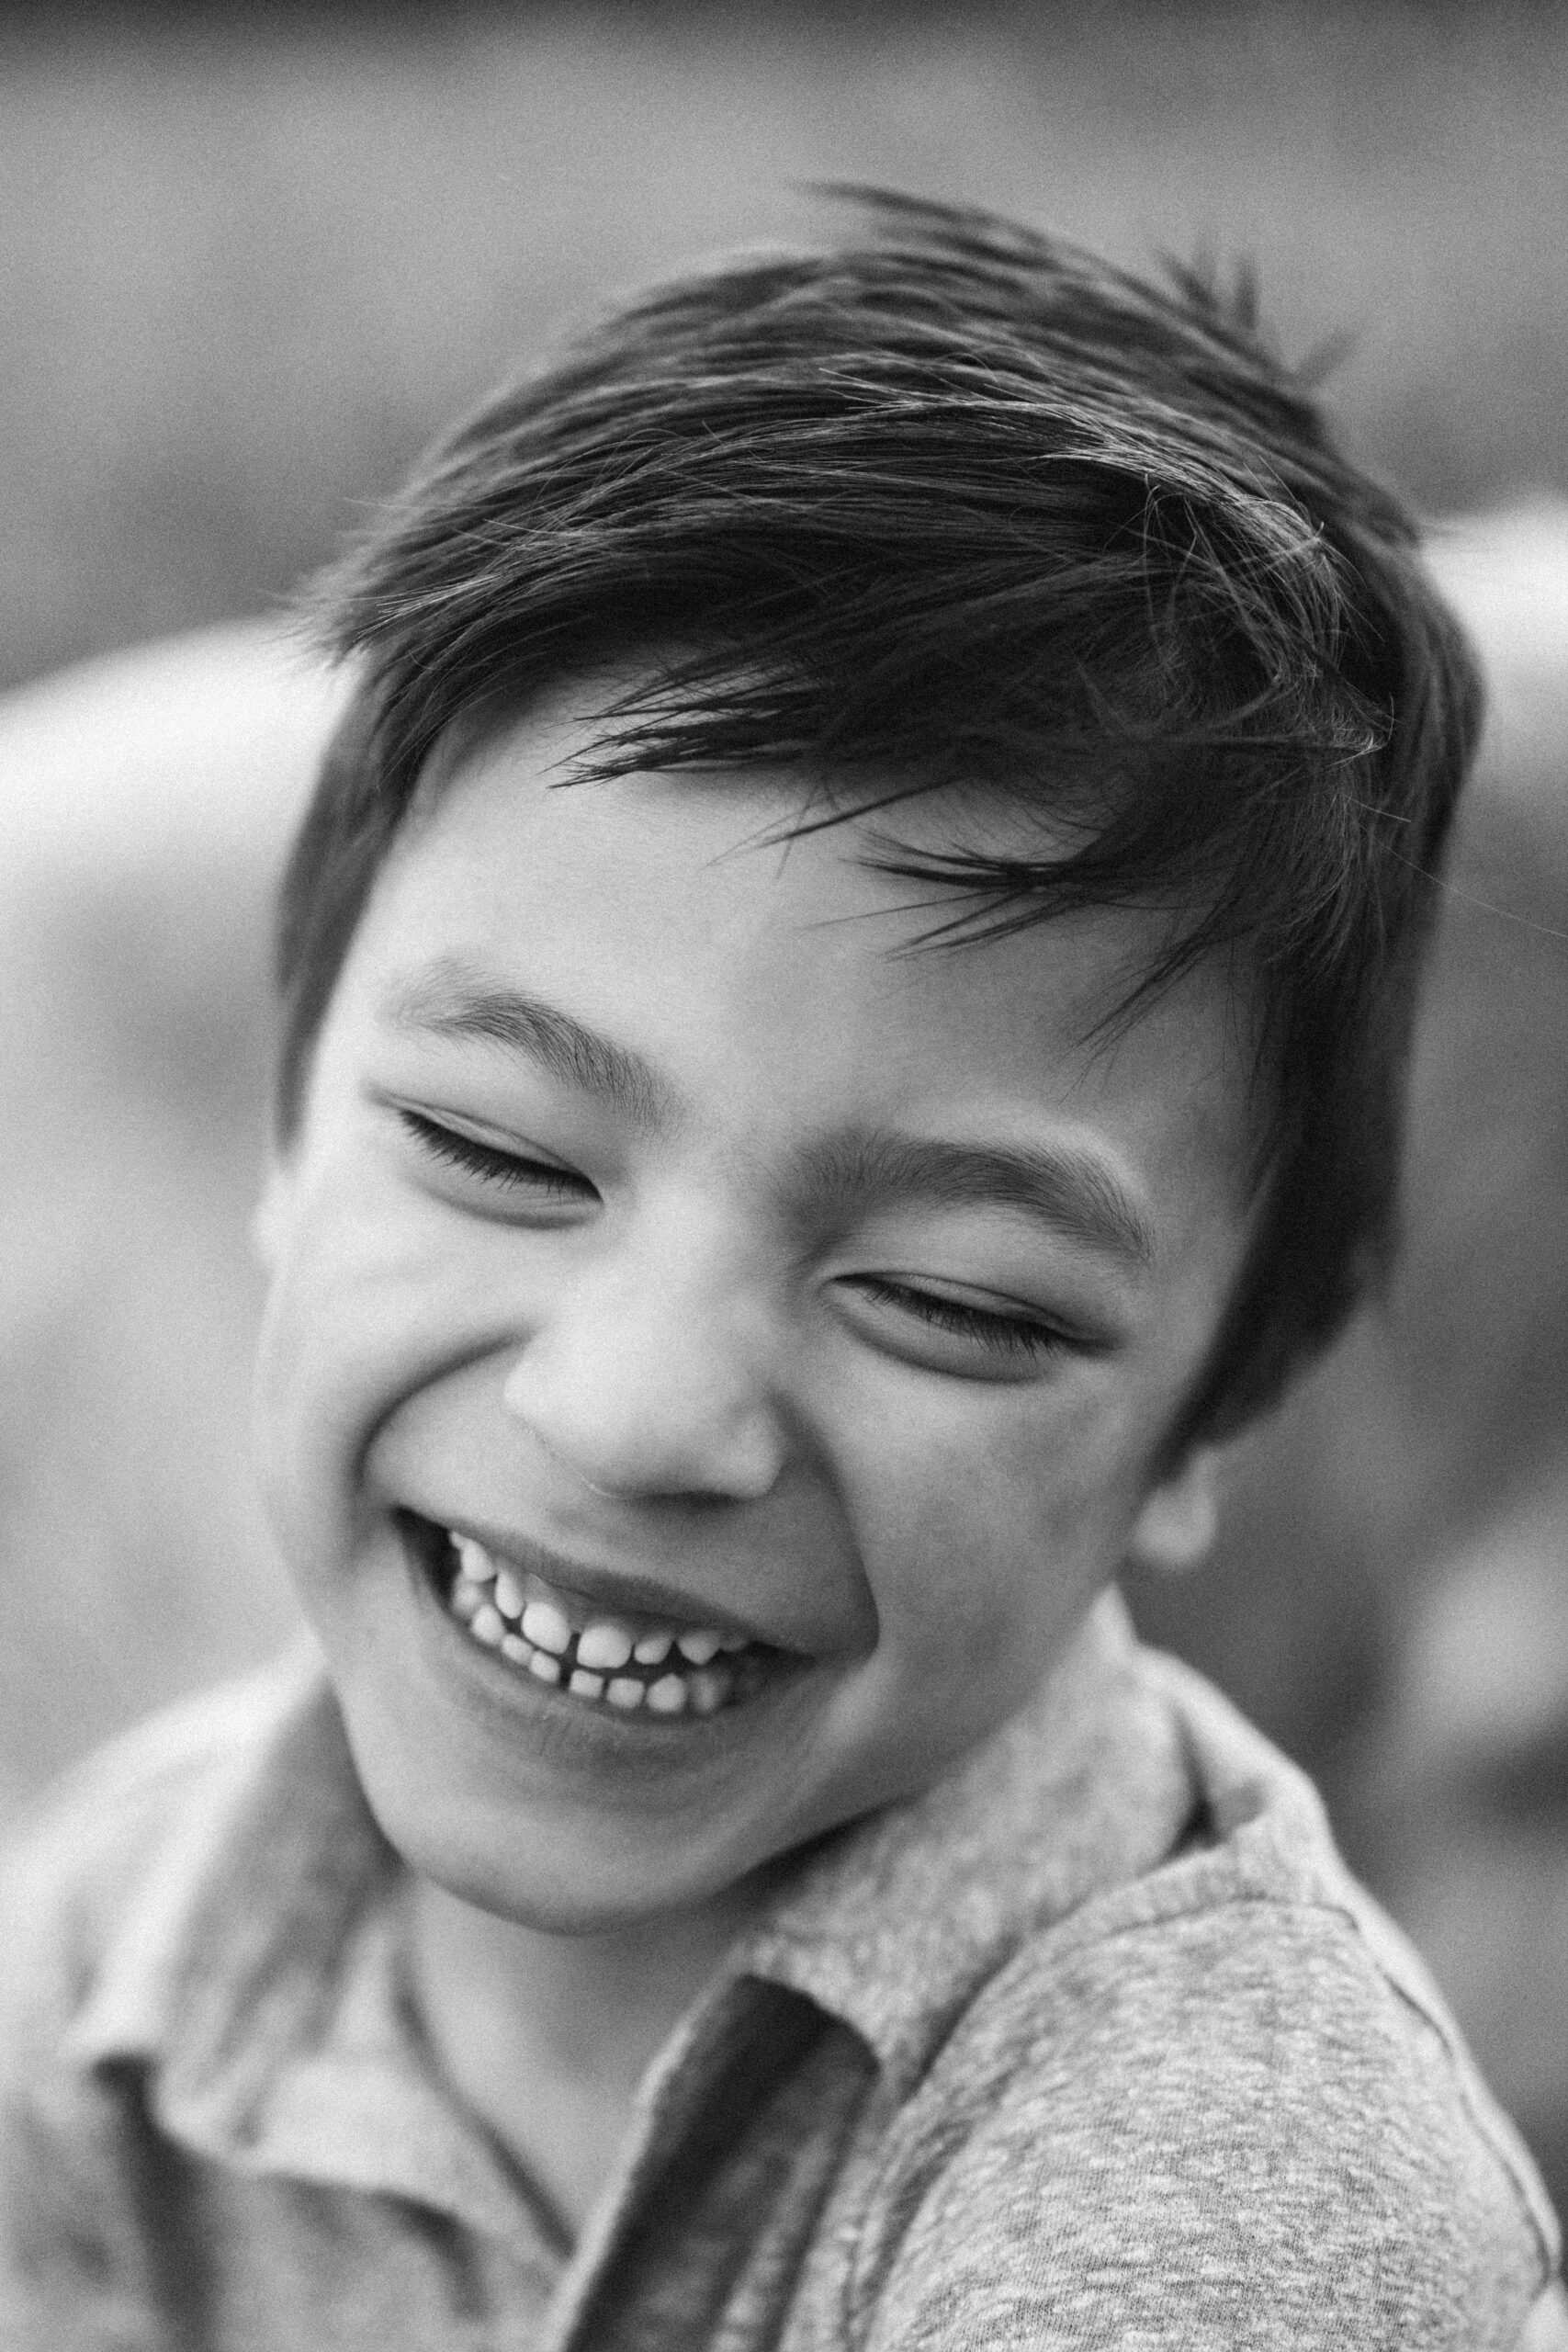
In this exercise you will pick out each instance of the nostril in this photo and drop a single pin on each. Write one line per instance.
(608, 1489)
(632, 1433)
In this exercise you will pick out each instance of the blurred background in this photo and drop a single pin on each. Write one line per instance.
(250, 262)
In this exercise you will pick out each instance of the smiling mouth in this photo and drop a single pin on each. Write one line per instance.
(630, 1661)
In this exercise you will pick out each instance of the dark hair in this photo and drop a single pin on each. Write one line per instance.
(959, 503)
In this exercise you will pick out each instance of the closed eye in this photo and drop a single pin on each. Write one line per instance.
(1005, 1334)
(510, 1171)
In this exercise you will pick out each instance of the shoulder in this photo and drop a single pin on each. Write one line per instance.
(94, 1887)
(86, 1862)
(1221, 2105)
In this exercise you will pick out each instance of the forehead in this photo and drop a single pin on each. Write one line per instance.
(779, 974)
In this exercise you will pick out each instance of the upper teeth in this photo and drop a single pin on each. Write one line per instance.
(544, 1626)
(478, 1565)
(608, 1645)
(491, 1598)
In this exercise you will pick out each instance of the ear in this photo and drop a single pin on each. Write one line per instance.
(270, 1214)
(1179, 1517)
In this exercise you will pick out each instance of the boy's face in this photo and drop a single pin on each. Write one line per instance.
(707, 1266)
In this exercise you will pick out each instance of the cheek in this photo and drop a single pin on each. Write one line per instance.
(994, 1522)
(353, 1318)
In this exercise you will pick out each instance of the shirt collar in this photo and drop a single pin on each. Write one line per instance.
(893, 1923)
(255, 1969)
(257, 1974)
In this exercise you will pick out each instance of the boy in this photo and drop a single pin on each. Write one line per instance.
(844, 990)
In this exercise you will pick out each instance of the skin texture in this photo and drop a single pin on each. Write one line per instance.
(696, 1355)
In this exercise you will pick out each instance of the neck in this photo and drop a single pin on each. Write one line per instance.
(548, 2036)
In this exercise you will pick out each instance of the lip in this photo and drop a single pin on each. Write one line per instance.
(508, 1695)
(615, 1591)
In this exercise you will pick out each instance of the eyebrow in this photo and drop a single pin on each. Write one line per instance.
(1070, 1191)
(446, 1000)
(1067, 1189)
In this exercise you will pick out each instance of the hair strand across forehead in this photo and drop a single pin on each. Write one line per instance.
(958, 506)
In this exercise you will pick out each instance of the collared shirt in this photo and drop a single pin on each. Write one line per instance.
(1095, 2042)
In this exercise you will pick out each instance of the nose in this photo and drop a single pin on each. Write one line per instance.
(651, 1381)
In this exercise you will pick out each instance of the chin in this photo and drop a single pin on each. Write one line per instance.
(571, 1877)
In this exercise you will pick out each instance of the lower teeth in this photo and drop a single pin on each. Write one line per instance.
(701, 1690)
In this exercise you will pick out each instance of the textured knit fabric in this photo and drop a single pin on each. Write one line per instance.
(1093, 2044)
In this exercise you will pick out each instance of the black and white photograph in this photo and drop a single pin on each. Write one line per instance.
(783, 1177)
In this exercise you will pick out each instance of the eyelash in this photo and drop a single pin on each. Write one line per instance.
(494, 1167)
(1011, 1335)
(1006, 1335)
